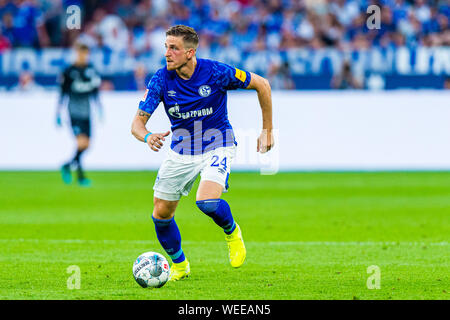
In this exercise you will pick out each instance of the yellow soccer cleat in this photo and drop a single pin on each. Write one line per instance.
(236, 247)
(179, 271)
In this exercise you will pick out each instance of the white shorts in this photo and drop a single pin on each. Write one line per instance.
(177, 174)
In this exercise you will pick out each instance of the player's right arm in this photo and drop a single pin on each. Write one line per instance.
(64, 83)
(147, 106)
(139, 130)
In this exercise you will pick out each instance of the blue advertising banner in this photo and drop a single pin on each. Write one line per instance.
(382, 68)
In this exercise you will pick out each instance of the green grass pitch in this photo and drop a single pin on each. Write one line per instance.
(308, 236)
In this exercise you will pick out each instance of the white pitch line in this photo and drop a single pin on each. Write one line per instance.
(282, 243)
(359, 243)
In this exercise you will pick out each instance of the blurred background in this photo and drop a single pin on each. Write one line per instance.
(297, 44)
(394, 75)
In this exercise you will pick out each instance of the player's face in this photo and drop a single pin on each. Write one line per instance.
(82, 56)
(176, 54)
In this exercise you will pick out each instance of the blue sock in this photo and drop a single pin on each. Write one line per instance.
(219, 211)
(170, 238)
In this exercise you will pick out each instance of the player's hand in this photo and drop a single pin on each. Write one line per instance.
(58, 120)
(265, 141)
(155, 140)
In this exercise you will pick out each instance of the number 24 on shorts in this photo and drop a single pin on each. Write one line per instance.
(216, 162)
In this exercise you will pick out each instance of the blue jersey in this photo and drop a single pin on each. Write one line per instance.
(197, 107)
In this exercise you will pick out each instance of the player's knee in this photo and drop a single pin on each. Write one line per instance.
(83, 146)
(208, 206)
(161, 214)
(83, 142)
(163, 209)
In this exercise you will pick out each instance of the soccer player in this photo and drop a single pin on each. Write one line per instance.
(194, 94)
(79, 85)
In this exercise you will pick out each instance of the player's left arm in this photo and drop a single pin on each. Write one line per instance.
(262, 87)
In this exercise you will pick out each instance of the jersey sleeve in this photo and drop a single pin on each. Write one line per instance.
(153, 94)
(97, 81)
(231, 78)
(64, 85)
(64, 82)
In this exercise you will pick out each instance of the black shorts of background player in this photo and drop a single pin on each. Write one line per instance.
(79, 88)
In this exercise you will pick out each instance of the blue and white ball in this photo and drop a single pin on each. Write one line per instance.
(151, 270)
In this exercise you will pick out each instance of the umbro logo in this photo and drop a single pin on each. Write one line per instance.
(171, 93)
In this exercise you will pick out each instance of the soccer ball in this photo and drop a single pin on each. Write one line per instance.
(151, 269)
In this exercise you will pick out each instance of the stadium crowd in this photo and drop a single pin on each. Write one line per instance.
(253, 25)
(228, 29)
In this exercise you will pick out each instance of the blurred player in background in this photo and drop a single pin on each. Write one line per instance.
(194, 94)
(79, 86)
(346, 79)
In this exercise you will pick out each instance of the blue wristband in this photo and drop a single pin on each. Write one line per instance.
(146, 136)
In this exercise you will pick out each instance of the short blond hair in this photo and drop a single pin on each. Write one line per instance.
(189, 35)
